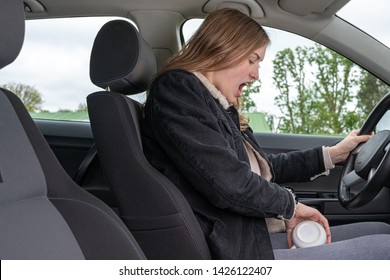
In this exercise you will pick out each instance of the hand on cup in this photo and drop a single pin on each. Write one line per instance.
(308, 234)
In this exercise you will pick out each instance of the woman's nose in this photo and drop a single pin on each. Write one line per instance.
(255, 74)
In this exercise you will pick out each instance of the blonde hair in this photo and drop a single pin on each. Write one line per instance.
(224, 38)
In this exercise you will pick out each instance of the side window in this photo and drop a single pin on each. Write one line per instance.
(306, 88)
(51, 73)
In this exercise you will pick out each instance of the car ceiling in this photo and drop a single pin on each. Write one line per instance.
(313, 19)
(262, 10)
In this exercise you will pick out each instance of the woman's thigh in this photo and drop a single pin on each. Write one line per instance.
(369, 247)
(368, 240)
(339, 233)
(349, 231)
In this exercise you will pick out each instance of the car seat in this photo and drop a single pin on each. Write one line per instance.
(151, 206)
(43, 213)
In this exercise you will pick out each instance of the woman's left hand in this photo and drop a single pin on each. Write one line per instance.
(304, 213)
(341, 150)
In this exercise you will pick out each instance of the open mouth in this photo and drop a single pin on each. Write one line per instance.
(241, 88)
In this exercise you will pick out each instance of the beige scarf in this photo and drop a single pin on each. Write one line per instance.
(260, 166)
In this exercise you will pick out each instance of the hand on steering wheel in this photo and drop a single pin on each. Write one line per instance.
(367, 169)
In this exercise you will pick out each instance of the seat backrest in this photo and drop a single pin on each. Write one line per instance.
(43, 213)
(151, 206)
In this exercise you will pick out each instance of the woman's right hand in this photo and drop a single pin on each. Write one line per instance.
(341, 151)
(304, 213)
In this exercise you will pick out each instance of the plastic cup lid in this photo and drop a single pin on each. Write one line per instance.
(308, 233)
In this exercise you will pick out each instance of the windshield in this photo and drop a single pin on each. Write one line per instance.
(370, 16)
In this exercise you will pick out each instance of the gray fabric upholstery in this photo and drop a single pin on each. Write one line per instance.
(68, 222)
(25, 209)
(152, 207)
(27, 179)
(34, 229)
(11, 18)
(357, 241)
(43, 213)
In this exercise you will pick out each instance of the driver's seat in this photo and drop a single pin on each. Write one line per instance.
(151, 206)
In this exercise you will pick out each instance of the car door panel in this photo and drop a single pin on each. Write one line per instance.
(70, 141)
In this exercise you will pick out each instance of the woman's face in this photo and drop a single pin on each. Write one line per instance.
(231, 81)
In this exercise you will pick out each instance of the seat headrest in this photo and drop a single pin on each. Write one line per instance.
(11, 30)
(121, 60)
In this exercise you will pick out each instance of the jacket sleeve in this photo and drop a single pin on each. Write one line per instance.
(190, 134)
(297, 166)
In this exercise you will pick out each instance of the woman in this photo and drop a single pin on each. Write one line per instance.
(193, 134)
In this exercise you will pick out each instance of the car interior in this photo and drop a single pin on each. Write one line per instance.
(84, 190)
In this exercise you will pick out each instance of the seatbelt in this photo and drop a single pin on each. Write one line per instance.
(85, 164)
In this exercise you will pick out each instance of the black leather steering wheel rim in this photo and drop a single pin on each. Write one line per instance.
(374, 176)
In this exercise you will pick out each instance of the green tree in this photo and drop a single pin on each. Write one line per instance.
(270, 120)
(336, 79)
(82, 108)
(371, 90)
(31, 97)
(316, 86)
(295, 99)
(247, 103)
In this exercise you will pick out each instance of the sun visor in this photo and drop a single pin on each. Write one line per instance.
(304, 7)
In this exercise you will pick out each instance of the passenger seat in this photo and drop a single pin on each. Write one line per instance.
(43, 213)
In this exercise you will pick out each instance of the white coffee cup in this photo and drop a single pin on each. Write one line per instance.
(308, 234)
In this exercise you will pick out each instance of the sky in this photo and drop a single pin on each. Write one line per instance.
(57, 63)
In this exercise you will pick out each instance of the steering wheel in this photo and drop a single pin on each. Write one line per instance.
(367, 169)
